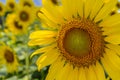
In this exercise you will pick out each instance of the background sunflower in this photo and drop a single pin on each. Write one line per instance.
(28, 3)
(14, 33)
(11, 5)
(25, 16)
(2, 9)
(8, 58)
(14, 26)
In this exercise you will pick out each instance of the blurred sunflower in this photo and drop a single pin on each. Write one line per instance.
(2, 9)
(24, 16)
(8, 58)
(28, 3)
(14, 26)
(11, 5)
(83, 42)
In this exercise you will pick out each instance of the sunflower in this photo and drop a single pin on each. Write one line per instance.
(11, 5)
(8, 58)
(82, 41)
(13, 25)
(28, 3)
(25, 16)
(2, 9)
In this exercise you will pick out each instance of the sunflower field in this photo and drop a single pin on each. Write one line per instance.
(17, 20)
(60, 40)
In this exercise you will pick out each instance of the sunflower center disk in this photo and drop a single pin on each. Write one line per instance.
(11, 5)
(80, 42)
(77, 42)
(17, 25)
(27, 4)
(24, 16)
(0, 8)
(9, 56)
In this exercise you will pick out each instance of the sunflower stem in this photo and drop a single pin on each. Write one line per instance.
(27, 65)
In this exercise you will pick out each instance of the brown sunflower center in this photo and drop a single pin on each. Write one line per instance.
(11, 5)
(17, 25)
(24, 16)
(9, 56)
(80, 41)
(76, 42)
(1, 8)
(54, 1)
(27, 4)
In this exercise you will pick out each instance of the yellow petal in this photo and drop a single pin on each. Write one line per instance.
(43, 34)
(82, 75)
(73, 75)
(96, 7)
(105, 10)
(113, 58)
(41, 41)
(115, 48)
(113, 38)
(111, 21)
(64, 72)
(111, 66)
(80, 5)
(111, 29)
(54, 69)
(90, 73)
(43, 50)
(47, 58)
(72, 8)
(99, 71)
(46, 20)
(52, 11)
(88, 7)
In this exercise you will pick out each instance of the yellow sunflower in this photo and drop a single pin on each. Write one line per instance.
(14, 26)
(2, 9)
(8, 58)
(82, 42)
(25, 16)
(11, 5)
(28, 3)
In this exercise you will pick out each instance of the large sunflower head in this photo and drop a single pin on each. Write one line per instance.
(82, 42)
(8, 58)
(14, 26)
(25, 16)
(28, 3)
(11, 5)
(2, 9)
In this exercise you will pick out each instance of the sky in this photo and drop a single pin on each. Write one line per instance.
(37, 2)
